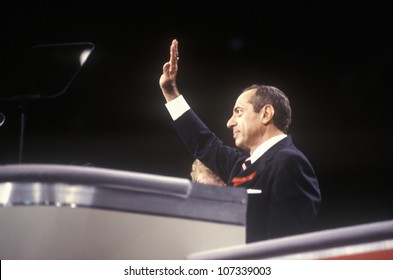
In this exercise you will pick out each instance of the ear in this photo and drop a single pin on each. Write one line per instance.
(267, 113)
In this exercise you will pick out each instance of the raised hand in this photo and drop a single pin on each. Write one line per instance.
(169, 73)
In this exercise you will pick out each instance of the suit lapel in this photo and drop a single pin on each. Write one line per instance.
(259, 165)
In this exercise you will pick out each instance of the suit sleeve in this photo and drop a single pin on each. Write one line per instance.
(205, 145)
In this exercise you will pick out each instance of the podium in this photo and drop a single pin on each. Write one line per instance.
(80, 212)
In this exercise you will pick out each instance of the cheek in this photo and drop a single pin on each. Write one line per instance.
(242, 124)
(252, 127)
(246, 125)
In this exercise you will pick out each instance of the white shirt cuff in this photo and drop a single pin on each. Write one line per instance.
(177, 107)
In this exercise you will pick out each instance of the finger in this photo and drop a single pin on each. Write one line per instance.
(173, 70)
(174, 52)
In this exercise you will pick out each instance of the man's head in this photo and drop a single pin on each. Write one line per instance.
(260, 112)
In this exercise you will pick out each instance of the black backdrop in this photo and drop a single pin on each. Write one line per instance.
(334, 61)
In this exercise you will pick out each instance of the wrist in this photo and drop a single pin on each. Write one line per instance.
(170, 95)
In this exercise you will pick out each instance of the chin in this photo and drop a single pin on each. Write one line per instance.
(239, 145)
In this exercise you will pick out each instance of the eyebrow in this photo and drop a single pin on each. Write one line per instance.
(237, 108)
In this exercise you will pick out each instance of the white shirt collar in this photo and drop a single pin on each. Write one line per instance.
(266, 146)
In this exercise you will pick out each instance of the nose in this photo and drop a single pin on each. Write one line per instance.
(231, 122)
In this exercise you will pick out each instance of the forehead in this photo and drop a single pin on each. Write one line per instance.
(244, 98)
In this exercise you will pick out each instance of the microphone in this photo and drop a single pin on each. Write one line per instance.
(2, 118)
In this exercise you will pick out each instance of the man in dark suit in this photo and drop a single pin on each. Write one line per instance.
(284, 195)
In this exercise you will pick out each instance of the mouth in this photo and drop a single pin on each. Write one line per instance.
(235, 133)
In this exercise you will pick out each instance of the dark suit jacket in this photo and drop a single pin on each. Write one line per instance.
(290, 198)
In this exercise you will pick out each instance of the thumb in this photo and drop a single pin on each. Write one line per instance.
(166, 68)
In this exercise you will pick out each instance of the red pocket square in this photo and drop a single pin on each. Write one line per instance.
(241, 180)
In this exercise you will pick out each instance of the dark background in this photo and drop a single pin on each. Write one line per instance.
(334, 61)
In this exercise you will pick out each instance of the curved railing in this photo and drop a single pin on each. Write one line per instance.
(365, 241)
(84, 186)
